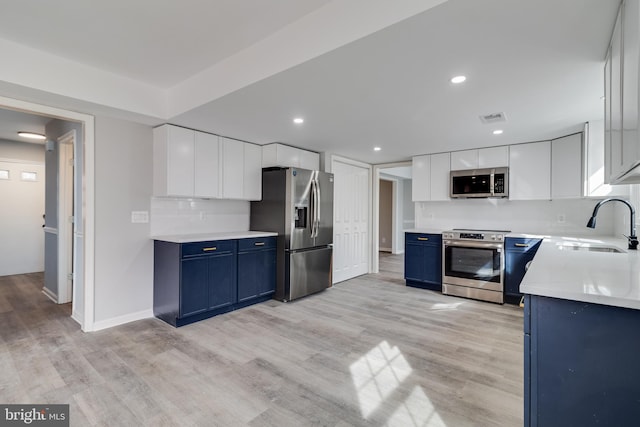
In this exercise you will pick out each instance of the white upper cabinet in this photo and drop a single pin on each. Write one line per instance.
(440, 173)
(430, 177)
(461, 160)
(241, 171)
(206, 166)
(567, 158)
(622, 73)
(252, 173)
(530, 171)
(595, 186)
(493, 157)
(285, 156)
(189, 163)
(173, 161)
(232, 169)
(421, 178)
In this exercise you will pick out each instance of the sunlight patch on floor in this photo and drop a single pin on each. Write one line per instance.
(416, 411)
(378, 374)
(450, 306)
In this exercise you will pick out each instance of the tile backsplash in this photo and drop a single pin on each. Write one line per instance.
(189, 216)
(555, 217)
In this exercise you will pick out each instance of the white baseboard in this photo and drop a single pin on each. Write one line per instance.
(385, 249)
(121, 320)
(53, 297)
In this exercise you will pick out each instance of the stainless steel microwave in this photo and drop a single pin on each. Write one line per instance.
(492, 182)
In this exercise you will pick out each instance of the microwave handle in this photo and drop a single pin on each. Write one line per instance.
(492, 183)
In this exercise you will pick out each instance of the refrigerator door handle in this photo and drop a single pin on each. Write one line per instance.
(312, 208)
(317, 205)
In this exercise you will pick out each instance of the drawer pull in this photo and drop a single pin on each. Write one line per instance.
(259, 243)
(213, 248)
(423, 238)
(521, 245)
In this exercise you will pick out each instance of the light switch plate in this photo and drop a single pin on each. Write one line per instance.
(139, 217)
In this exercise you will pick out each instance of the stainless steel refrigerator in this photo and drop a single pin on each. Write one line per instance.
(298, 205)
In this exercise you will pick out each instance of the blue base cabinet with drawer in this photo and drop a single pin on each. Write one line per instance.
(256, 269)
(580, 364)
(518, 252)
(423, 260)
(195, 281)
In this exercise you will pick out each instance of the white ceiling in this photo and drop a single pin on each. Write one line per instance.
(12, 122)
(540, 62)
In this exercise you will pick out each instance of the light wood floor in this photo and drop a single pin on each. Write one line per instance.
(363, 353)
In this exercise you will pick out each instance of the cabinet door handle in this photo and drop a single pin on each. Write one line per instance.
(521, 245)
(213, 248)
(423, 238)
(259, 243)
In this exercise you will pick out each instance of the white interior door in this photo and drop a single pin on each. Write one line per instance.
(351, 220)
(21, 220)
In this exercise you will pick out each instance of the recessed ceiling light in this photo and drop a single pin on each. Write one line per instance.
(377, 148)
(458, 79)
(497, 132)
(31, 135)
(298, 120)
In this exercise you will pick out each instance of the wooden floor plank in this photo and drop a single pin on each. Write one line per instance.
(366, 352)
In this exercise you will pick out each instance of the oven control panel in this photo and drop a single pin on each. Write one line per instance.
(491, 236)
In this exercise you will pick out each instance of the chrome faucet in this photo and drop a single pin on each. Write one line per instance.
(633, 239)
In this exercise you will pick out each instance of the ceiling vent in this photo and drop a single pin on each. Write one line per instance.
(493, 118)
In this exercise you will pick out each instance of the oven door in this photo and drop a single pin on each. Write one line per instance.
(473, 264)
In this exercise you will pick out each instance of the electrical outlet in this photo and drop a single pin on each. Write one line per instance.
(562, 218)
(139, 217)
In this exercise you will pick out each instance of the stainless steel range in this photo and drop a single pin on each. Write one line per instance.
(473, 264)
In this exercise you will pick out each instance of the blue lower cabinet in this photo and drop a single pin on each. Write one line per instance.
(423, 260)
(256, 271)
(518, 253)
(580, 364)
(194, 281)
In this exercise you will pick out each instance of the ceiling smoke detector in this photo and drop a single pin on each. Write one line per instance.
(493, 118)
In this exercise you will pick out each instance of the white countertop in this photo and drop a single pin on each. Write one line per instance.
(425, 230)
(203, 237)
(579, 275)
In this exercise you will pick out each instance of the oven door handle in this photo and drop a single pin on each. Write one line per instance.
(480, 245)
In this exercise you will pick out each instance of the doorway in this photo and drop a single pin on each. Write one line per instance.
(82, 291)
(394, 213)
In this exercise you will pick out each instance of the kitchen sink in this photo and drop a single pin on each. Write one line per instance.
(609, 249)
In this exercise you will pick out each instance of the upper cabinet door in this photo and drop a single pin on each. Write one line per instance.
(630, 75)
(566, 167)
(309, 160)
(421, 178)
(252, 179)
(615, 128)
(461, 160)
(173, 157)
(440, 168)
(207, 165)
(530, 171)
(494, 157)
(232, 169)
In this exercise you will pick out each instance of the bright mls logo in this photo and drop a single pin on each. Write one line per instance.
(34, 415)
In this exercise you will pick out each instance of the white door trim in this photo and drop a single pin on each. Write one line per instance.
(66, 228)
(375, 217)
(88, 195)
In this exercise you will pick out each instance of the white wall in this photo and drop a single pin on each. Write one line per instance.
(22, 207)
(187, 216)
(21, 151)
(123, 251)
(540, 217)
